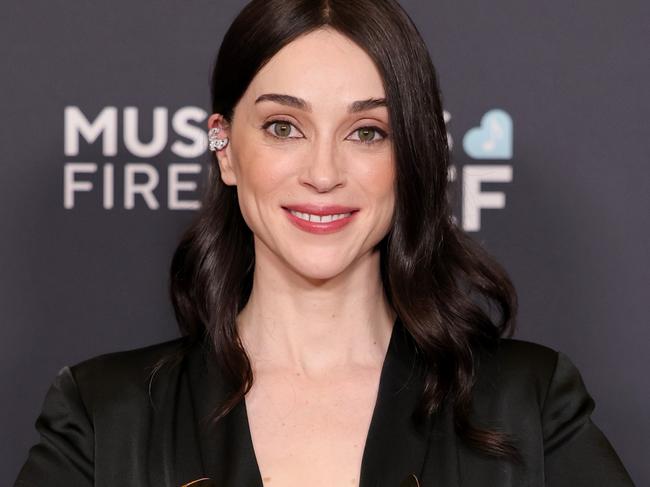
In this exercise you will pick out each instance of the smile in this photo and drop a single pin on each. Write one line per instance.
(319, 224)
(319, 218)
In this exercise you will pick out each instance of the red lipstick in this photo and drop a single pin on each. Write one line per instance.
(320, 227)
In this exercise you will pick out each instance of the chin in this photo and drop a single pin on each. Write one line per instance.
(320, 271)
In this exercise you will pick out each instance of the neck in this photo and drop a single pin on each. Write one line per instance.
(314, 327)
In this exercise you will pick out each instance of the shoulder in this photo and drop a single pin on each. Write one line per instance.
(519, 359)
(517, 369)
(520, 379)
(523, 359)
(128, 361)
(521, 350)
(538, 396)
(123, 376)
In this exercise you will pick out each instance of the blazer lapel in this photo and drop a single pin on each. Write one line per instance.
(226, 448)
(399, 451)
(187, 458)
(173, 451)
(442, 466)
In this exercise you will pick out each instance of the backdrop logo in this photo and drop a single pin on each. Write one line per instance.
(491, 140)
(135, 180)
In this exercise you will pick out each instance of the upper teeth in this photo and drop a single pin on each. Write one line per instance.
(316, 218)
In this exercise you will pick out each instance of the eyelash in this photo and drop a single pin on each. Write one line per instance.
(376, 129)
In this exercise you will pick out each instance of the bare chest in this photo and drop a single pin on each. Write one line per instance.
(311, 434)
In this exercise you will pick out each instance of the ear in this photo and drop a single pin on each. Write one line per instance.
(224, 156)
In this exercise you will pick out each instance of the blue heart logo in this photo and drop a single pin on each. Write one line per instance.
(493, 139)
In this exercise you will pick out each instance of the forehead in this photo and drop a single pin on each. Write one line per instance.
(322, 66)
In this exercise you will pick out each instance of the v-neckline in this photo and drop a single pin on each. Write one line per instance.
(395, 445)
(382, 384)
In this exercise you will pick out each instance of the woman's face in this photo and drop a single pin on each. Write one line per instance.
(324, 142)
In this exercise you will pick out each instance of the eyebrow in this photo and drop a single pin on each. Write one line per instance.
(299, 103)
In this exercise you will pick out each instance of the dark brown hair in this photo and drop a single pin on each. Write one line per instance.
(429, 267)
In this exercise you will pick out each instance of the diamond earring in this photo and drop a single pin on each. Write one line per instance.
(216, 143)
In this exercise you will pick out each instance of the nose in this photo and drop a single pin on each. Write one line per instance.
(323, 170)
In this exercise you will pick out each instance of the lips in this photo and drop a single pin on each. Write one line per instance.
(320, 227)
(321, 210)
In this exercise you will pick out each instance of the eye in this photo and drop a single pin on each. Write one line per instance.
(281, 129)
(367, 135)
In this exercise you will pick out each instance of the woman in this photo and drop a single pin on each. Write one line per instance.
(339, 329)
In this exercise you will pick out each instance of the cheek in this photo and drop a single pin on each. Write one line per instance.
(379, 179)
(260, 176)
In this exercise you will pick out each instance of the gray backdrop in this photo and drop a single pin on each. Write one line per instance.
(562, 195)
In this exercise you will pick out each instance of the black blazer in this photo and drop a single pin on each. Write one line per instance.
(104, 424)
